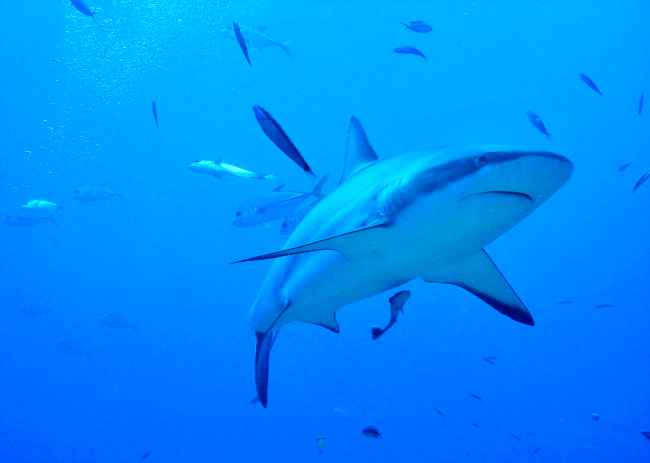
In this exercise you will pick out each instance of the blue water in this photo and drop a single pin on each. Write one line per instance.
(174, 375)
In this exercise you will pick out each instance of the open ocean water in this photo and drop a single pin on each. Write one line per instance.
(126, 334)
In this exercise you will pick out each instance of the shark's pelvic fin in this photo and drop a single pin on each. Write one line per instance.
(358, 153)
(350, 244)
(480, 276)
(329, 322)
(265, 341)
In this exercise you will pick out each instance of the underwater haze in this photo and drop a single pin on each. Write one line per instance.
(126, 334)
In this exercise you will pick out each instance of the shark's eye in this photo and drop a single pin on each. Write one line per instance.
(482, 160)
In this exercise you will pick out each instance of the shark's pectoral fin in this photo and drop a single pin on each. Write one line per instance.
(480, 276)
(350, 244)
(265, 341)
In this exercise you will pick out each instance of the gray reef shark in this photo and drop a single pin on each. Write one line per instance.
(422, 215)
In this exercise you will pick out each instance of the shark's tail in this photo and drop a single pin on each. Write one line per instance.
(265, 341)
(376, 333)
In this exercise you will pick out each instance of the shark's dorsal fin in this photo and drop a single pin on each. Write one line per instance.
(350, 244)
(480, 276)
(358, 151)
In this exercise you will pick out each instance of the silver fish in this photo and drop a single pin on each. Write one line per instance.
(279, 205)
(220, 169)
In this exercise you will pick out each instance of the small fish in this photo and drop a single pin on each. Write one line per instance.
(145, 455)
(439, 412)
(82, 8)
(641, 103)
(490, 359)
(257, 38)
(418, 26)
(219, 169)
(397, 302)
(241, 41)
(564, 301)
(371, 432)
(604, 306)
(644, 178)
(536, 450)
(538, 123)
(595, 417)
(279, 137)
(476, 425)
(90, 193)
(514, 436)
(646, 434)
(154, 112)
(21, 221)
(321, 443)
(40, 205)
(476, 396)
(278, 205)
(71, 349)
(590, 83)
(117, 321)
(409, 50)
(625, 166)
(34, 311)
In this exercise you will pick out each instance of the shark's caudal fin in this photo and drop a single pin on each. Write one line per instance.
(480, 276)
(265, 341)
(358, 151)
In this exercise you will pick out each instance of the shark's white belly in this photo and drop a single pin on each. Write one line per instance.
(433, 234)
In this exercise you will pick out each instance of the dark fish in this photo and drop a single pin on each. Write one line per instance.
(439, 412)
(82, 8)
(241, 41)
(117, 321)
(514, 436)
(595, 417)
(71, 349)
(590, 83)
(641, 103)
(624, 167)
(476, 396)
(538, 123)
(371, 432)
(397, 302)
(604, 306)
(408, 50)
(154, 111)
(536, 451)
(646, 434)
(24, 221)
(418, 26)
(145, 455)
(476, 425)
(564, 301)
(34, 311)
(321, 443)
(279, 137)
(490, 359)
(644, 178)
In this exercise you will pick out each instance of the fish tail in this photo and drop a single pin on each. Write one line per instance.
(284, 46)
(376, 333)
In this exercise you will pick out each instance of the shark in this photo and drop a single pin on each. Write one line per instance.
(421, 215)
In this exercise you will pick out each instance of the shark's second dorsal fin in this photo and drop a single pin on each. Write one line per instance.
(358, 151)
(480, 276)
